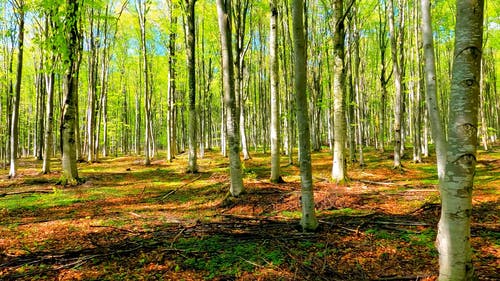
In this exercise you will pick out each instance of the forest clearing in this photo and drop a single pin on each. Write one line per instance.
(128, 221)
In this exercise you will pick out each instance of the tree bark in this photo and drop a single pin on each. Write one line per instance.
(308, 220)
(339, 173)
(453, 239)
(275, 99)
(437, 129)
(14, 129)
(232, 117)
(142, 10)
(68, 137)
(398, 107)
(191, 64)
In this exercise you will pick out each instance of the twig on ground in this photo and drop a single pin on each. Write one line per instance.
(25, 192)
(178, 188)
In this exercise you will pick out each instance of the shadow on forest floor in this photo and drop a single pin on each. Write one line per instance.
(130, 222)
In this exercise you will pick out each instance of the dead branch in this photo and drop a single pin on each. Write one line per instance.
(178, 188)
(25, 192)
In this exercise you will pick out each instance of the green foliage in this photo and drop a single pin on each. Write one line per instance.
(226, 256)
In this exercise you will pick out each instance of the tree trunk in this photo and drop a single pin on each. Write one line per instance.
(453, 239)
(14, 129)
(275, 99)
(68, 137)
(191, 64)
(224, 18)
(141, 10)
(308, 220)
(171, 122)
(398, 106)
(437, 129)
(339, 173)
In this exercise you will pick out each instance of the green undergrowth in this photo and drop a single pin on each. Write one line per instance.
(227, 256)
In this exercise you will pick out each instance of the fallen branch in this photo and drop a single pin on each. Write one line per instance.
(25, 192)
(178, 188)
(394, 278)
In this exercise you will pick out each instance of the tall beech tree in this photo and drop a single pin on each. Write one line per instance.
(431, 88)
(14, 126)
(453, 239)
(339, 173)
(191, 66)
(308, 221)
(275, 97)
(69, 54)
(398, 85)
(232, 117)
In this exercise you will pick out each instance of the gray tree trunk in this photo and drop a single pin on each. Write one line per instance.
(437, 129)
(68, 136)
(14, 129)
(141, 11)
(453, 239)
(308, 220)
(339, 173)
(191, 64)
(232, 118)
(275, 99)
(398, 106)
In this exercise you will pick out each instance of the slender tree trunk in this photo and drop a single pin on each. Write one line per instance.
(308, 220)
(68, 136)
(275, 99)
(14, 129)
(191, 64)
(142, 10)
(398, 106)
(339, 173)
(232, 117)
(382, 40)
(49, 111)
(437, 129)
(171, 122)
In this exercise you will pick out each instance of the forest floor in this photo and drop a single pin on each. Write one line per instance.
(131, 222)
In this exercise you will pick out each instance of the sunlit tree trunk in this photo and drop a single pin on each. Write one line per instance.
(434, 113)
(398, 106)
(240, 9)
(141, 11)
(308, 220)
(171, 123)
(339, 173)
(275, 99)
(382, 42)
(68, 136)
(191, 64)
(453, 239)
(14, 129)
(49, 112)
(232, 118)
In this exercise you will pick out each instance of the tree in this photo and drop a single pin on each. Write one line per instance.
(437, 130)
(49, 78)
(224, 18)
(14, 129)
(142, 8)
(191, 65)
(398, 106)
(308, 220)
(275, 99)
(70, 92)
(339, 174)
(453, 239)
